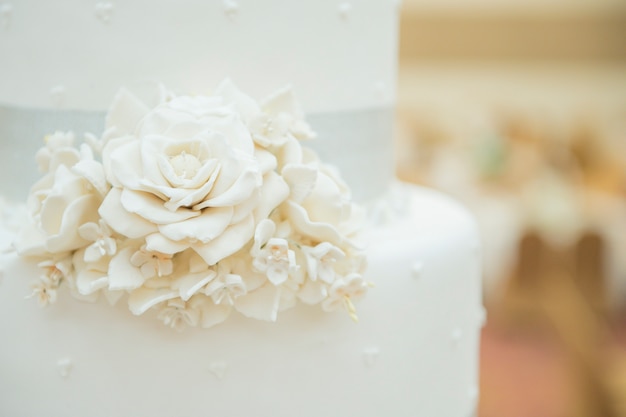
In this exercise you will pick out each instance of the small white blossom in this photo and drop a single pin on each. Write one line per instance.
(343, 292)
(225, 288)
(178, 315)
(44, 290)
(270, 131)
(103, 244)
(276, 260)
(321, 260)
(152, 264)
(55, 270)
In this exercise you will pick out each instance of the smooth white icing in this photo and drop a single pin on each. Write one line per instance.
(335, 54)
(414, 351)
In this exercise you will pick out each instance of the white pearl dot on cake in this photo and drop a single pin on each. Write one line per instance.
(57, 95)
(6, 10)
(218, 369)
(104, 11)
(344, 10)
(64, 366)
(231, 8)
(417, 269)
(370, 356)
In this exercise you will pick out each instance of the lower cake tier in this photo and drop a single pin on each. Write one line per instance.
(413, 352)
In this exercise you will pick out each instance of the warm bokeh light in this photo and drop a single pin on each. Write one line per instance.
(518, 109)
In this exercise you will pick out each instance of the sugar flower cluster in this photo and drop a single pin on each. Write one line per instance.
(196, 207)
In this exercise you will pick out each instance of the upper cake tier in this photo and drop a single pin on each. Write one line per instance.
(64, 61)
(76, 54)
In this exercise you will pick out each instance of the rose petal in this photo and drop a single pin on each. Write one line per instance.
(277, 274)
(287, 300)
(190, 284)
(90, 298)
(261, 304)
(144, 298)
(92, 254)
(125, 164)
(159, 120)
(65, 187)
(235, 132)
(122, 274)
(151, 208)
(239, 192)
(93, 172)
(212, 314)
(301, 180)
(156, 242)
(196, 263)
(67, 157)
(125, 112)
(244, 209)
(266, 160)
(206, 227)
(326, 203)
(196, 105)
(30, 241)
(113, 296)
(110, 147)
(229, 242)
(282, 101)
(82, 210)
(245, 105)
(120, 220)
(191, 197)
(88, 281)
(312, 292)
(291, 153)
(89, 231)
(311, 265)
(264, 231)
(242, 267)
(315, 230)
(151, 147)
(274, 191)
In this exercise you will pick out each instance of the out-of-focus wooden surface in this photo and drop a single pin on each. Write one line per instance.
(555, 343)
(555, 314)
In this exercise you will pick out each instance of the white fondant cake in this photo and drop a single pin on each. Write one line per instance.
(414, 350)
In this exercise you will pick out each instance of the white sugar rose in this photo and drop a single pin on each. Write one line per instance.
(60, 203)
(200, 207)
(187, 174)
(323, 212)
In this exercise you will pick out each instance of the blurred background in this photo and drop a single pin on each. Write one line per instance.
(518, 108)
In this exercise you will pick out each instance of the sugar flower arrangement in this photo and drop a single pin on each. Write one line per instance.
(197, 207)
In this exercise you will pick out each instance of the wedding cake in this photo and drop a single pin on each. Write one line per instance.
(199, 217)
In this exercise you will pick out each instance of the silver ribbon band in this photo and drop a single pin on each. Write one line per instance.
(358, 142)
